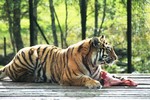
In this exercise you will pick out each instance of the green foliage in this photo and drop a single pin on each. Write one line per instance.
(114, 69)
(114, 27)
(1, 66)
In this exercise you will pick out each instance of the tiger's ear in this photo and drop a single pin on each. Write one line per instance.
(95, 42)
(102, 38)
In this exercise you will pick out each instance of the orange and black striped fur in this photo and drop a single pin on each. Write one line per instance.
(77, 65)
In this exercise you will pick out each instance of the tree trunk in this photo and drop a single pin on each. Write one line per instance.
(33, 18)
(53, 22)
(10, 21)
(66, 24)
(96, 17)
(61, 31)
(31, 23)
(129, 31)
(83, 11)
(103, 18)
(16, 24)
(35, 3)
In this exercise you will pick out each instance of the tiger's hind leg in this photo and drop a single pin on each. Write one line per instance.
(38, 74)
(2, 73)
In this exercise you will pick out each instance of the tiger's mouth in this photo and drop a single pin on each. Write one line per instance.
(104, 61)
(99, 62)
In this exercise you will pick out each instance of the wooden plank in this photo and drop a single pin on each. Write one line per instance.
(142, 82)
(46, 91)
(14, 85)
(133, 75)
(72, 98)
(74, 93)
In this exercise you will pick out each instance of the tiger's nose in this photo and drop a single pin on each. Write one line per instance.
(116, 57)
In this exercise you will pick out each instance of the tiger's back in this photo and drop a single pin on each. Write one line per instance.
(34, 64)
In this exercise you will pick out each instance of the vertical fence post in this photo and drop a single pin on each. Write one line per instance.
(5, 53)
(31, 22)
(129, 35)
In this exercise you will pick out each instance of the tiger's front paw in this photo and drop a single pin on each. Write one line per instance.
(93, 84)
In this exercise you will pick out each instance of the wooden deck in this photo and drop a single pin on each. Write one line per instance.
(45, 91)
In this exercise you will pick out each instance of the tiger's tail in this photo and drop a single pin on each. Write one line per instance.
(3, 73)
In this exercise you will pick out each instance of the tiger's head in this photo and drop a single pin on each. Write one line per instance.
(92, 52)
(103, 52)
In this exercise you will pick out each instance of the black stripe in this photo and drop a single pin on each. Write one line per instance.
(95, 59)
(64, 60)
(24, 77)
(74, 73)
(24, 57)
(96, 73)
(30, 54)
(59, 65)
(14, 71)
(14, 68)
(18, 65)
(52, 72)
(56, 54)
(90, 41)
(36, 65)
(30, 69)
(44, 50)
(69, 72)
(80, 47)
(72, 51)
(38, 50)
(102, 52)
(45, 58)
(68, 77)
(53, 79)
(57, 73)
(39, 70)
(51, 51)
(20, 68)
(84, 60)
(44, 73)
(79, 67)
(68, 69)
(11, 75)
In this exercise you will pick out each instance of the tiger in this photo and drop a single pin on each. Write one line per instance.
(77, 65)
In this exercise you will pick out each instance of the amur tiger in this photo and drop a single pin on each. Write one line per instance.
(77, 65)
